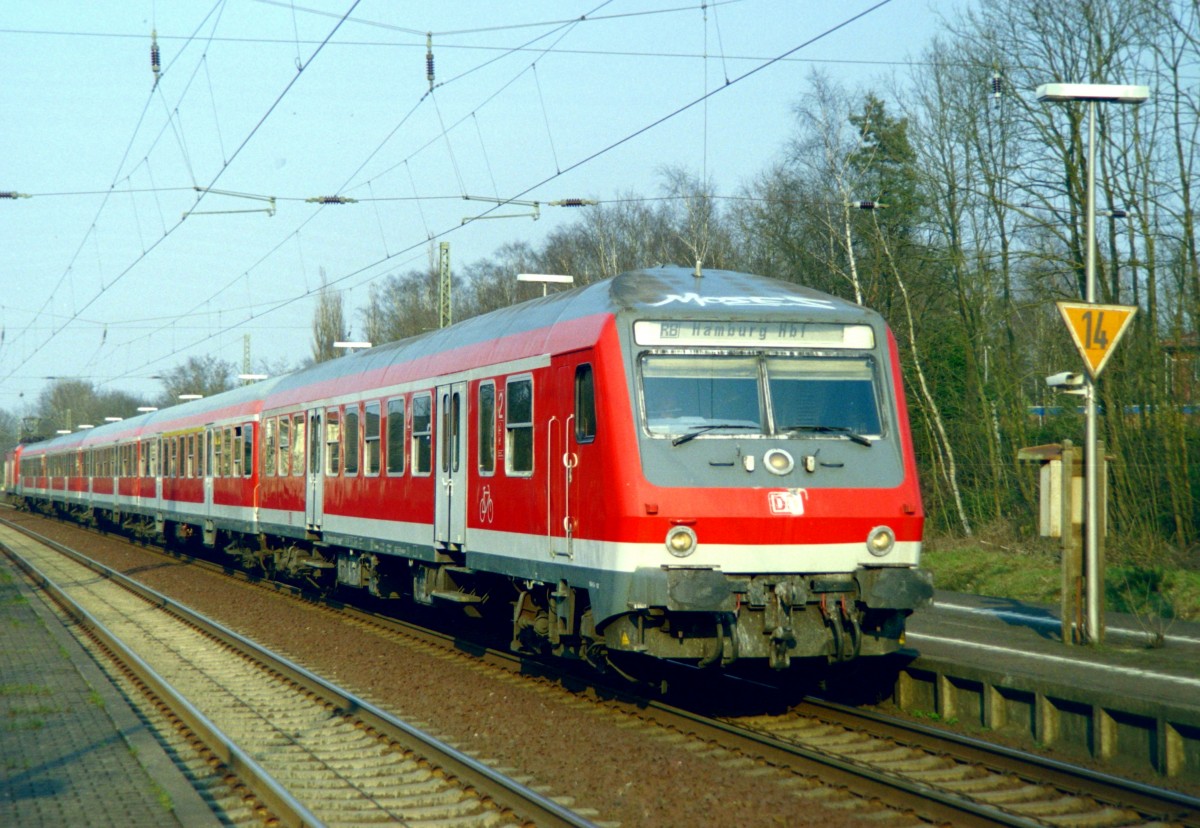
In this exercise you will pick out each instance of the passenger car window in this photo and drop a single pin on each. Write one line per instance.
(297, 446)
(285, 445)
(270, 456)
(333, 443)
(395, 436)
(350, 439)
(487, 428)
(248, 450)
(518, 426)
(585, 404)
(371, 438)
(422, 434)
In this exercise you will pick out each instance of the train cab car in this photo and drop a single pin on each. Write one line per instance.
(769, 503)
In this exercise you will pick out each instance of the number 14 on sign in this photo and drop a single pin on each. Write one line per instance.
(1096, 330)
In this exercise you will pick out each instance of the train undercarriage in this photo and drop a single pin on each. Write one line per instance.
(705, 618)
(697, 616)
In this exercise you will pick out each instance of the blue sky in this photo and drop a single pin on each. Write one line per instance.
(104, 278)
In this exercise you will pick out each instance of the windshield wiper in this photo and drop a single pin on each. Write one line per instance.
(824, 429)
(698, 430)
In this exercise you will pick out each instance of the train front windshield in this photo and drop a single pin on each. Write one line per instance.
(797, 396)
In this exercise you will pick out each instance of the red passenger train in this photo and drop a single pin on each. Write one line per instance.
(707, 469)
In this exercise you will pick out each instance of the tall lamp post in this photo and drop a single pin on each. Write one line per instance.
(1092, 94)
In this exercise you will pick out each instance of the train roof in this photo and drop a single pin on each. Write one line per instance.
(556, 323)
(244, 401)
(561, 322)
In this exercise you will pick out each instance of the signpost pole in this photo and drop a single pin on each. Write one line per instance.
(1092, 93)
(1094, 588)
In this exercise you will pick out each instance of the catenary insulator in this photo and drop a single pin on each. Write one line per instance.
(429, 58)
(155, 56)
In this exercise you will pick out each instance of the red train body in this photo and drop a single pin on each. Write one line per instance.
(710, 470)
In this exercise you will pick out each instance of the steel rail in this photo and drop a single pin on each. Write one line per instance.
(1174, 805)
(270, 792)
(507, 793)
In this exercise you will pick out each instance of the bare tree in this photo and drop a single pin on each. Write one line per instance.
(205, 376)
(329, 322)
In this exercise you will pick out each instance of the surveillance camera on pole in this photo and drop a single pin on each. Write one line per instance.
(1068, 382)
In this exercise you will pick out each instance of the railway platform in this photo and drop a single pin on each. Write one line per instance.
(72, 749)
(1016, 637)
(1131, 702)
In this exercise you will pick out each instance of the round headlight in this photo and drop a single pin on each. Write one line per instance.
(681, 541)
(778, 461)
(881, 541)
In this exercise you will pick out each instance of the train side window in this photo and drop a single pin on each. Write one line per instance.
(451, 442)
(333, 443)
(371, 439)
(285, 446)
(487, 427)
(585, 404)
(422, 434)
(298, 427)
(518, 459)
(236, 447)
(350, 439)
(315, 448)
(248, 450)
(227, 467)
(270, 458)
(395, 436)
(190, 464)
(218, 453)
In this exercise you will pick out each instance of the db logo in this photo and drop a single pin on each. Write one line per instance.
(787, 503)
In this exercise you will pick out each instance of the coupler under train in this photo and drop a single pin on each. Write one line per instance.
(706, 617)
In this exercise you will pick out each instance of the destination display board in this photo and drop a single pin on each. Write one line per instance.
(742, 333)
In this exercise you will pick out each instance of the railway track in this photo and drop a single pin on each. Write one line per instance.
(920, 775)
(303, 751)
(1021, 785)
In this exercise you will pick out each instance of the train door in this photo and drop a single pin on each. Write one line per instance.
(557, 466)
(314, 509)
(207, 470)
(450, 513)
(570, 418)
(156, 455)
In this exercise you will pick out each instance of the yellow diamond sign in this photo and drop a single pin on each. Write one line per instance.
(1096, 330)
